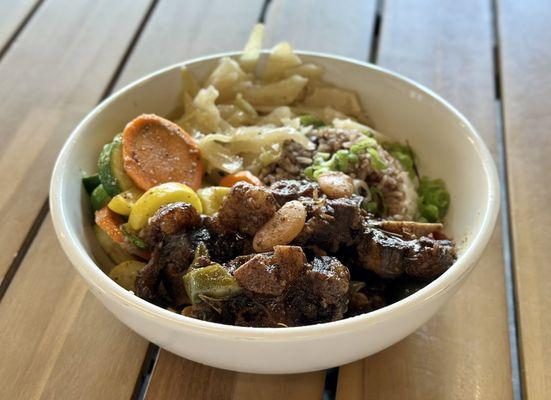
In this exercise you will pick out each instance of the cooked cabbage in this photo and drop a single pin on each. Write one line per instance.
(279, 93)
(281, 59)
(341, 100)
(225, 78)
(226, 151)
(251, 52)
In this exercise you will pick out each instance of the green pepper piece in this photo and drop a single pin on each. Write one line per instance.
(201, 255)
(213, 281)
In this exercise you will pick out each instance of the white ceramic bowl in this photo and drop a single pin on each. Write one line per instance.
(447, 147)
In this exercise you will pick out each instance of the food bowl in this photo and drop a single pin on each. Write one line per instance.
(447, 146)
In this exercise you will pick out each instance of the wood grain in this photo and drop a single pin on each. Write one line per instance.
(526, 91)
(58, 342)
(181, 31)
(463, 352)
(342, 27)
(54, 73)
(12, 15)
(175, 378)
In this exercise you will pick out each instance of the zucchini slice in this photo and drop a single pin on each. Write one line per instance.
(125, 274)
(113, 250)
(99, 198)
(110, 168)
(91, 182)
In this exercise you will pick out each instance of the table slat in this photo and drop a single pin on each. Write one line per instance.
(525, 38)
(181, 31)
(53, 74)
(342, 27)
(463, 352)
(12, 14)
(175, 378)
(58, 341)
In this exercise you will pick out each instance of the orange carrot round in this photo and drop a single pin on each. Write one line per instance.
(156, 150)
(246, 176)
(110, 222)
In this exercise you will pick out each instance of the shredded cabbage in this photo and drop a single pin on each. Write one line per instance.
(279, 93)
(341, 100)
(225, 78)
(281, 59)
(230, 149)
(251, 52)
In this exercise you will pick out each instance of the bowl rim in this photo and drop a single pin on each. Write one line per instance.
(95, 277)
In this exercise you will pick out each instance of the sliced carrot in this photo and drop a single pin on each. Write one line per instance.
(246, 176)
(156, 150)
(110, 223)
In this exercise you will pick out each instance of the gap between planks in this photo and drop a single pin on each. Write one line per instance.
(20, 28)
(508, 257)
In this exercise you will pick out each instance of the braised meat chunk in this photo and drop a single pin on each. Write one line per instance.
(170, 220)
(330, 223)
(288, 190)
(329, 279)
(429, 258)
(389, 255)
(170, 259)
(382, 253)
(246, 208)
(221, 247)
(321, 295)
(271, 273)
(172, 251)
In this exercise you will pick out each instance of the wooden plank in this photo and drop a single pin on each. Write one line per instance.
(526, 86)
(58, 342)
(12, 15)
(53, 74)
(463, 352)
(181, 31)
(175, 378)
(340, 27)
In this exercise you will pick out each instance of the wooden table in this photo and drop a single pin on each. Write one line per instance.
(491, 59)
